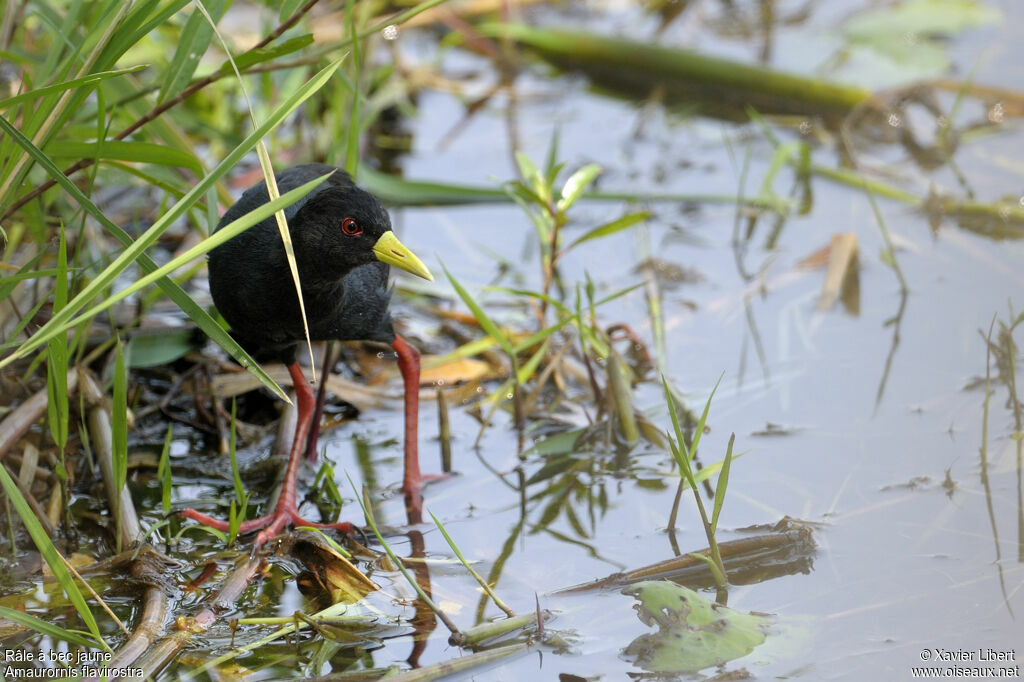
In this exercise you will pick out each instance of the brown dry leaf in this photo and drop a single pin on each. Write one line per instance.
(230, 384)
(78, 561)
(816, 259)
(454, 372)
(841, 260)
(333, 572)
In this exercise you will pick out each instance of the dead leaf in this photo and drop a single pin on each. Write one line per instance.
(454, 372)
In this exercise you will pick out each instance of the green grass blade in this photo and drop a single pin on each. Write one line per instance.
(390, 552)
(670, 401)
(119, 433)
(192, 44)
(699, 429)
(352, 142)
(240, 495)
(50, 554)
(119, 150)
(722, 484)
(222, 235)
(486, 323)
(45, 628)
(628, 220)
(136, 250)
(57, 358)
(476, 576)
(577, 183)
(265, 54)
(82, 82)
(163, 472)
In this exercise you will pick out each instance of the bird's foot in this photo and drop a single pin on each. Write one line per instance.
(271, 524)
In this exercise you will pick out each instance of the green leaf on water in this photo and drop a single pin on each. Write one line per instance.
(693, 632)
(926, 17)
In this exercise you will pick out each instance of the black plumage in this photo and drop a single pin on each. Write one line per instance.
(344, 286)
(343, 246)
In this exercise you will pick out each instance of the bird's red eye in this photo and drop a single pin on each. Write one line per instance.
(350, 227)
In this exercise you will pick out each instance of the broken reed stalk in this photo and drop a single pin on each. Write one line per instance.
(638, 67)
(151, 622)
(445, 668)
(159, 655)
(444, 431)
(39, 512)
(101, 432)
(485, 631)
(28, 413)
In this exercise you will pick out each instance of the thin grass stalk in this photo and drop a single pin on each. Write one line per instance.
(102, 436)
(368, 513)
(476, 576)
(50, 554)
(57, 406)
(119, 432)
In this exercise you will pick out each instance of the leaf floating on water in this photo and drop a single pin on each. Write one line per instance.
(693, 632)
(923, 17)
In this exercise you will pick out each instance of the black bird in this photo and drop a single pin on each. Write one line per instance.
(343, 245)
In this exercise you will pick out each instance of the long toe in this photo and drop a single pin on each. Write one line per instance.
(271, 524)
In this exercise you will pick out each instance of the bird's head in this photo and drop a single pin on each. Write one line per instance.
(343, 227)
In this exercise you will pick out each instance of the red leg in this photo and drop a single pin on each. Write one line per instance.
(412, 482)
(321, 398)
(286, 511)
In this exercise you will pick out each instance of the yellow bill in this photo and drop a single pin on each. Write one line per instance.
(393, 252)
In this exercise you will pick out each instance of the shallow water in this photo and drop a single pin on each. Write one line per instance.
(868, 422)
(882, 408)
